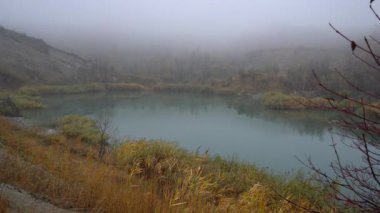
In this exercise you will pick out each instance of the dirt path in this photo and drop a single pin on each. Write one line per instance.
(22, 201)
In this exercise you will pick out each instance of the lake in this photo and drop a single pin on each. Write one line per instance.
(233, 127)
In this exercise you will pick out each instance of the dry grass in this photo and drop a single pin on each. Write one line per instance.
(4, 204)
(73, 180)
(143, 176)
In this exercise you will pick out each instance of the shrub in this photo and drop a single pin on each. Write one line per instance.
(28, 102)
(76, 126)
(319, 102)
(280, 101)
(9, 102)
(8, 107)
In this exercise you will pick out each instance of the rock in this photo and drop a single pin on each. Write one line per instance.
(22, 201)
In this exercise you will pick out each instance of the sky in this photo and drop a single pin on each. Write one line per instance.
(192, 22)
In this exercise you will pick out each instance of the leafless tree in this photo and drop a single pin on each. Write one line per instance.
(104, 126)
(356, 185)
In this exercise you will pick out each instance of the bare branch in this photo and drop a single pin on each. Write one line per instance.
(371, 51)
(292, 202)
(356, 87)
(351, 41)
(374, 11)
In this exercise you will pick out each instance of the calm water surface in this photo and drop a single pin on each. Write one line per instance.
(231, 127)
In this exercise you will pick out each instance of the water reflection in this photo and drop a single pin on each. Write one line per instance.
(312, 123)
(304, 122)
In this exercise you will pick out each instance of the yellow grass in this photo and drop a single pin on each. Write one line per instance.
(142, 176)
(4, 204)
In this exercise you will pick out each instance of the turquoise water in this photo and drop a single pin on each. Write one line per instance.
(228, 126)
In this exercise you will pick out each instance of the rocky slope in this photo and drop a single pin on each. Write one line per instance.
(19, 200)
(27, 60)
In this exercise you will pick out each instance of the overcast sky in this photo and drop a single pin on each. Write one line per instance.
(216, 21)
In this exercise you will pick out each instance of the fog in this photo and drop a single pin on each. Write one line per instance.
(99, 27)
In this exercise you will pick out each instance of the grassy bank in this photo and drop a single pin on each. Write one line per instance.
(145, 176)
(281, 101)
(22, 100)
(41, 90)
(29, 97)
(188, 88)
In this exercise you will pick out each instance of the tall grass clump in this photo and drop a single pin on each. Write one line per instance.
(153, 159)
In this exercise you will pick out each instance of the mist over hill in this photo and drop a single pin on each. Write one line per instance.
(24, 59)
(187, 41)
(27, 60)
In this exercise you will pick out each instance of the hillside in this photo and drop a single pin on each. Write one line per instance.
(27, 60)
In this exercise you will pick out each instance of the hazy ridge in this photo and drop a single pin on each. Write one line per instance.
(27, 60)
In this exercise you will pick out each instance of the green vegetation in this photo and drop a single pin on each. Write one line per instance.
(19, 100)
(280, 101)
(8, 107)
(146, 176)
(29, 97)
(41, 90)
(81, 127)
(27, 102)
